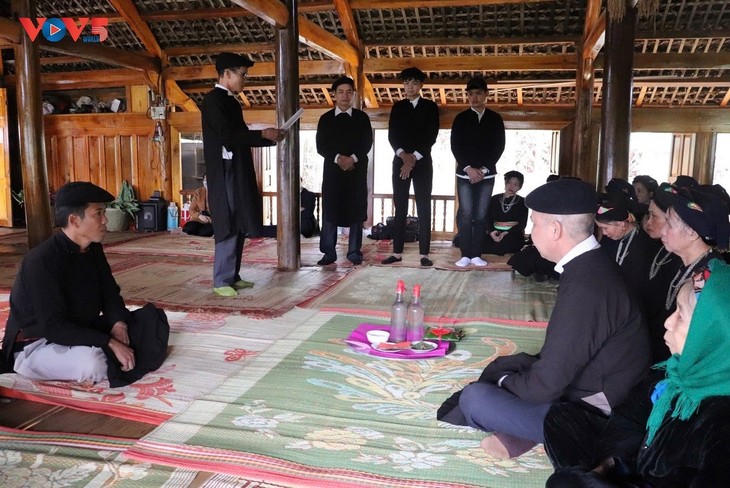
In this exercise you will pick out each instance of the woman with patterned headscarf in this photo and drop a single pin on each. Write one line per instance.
(674, 429)
(632, 247)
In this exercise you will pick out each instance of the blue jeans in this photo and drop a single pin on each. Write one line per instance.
(473, 207)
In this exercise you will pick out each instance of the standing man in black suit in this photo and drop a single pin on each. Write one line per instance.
(412, 131)
(234, 199)
(344, 138)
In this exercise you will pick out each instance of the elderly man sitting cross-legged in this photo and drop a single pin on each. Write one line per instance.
(67, 320)
(596, 344)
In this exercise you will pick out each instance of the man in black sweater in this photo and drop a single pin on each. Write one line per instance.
(67, 319)
(412, 131)
(477, 141)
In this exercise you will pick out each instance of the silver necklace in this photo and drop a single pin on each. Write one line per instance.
(623, 250)
(506, 207)
(674, 285)
(657, 263)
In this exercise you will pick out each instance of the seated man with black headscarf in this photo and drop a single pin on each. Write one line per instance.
(67, 319)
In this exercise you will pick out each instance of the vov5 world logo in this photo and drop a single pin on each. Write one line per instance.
(55, 29)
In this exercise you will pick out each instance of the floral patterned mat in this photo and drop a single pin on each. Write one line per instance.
(185, 285)
(204, 350)
(31, 459)
(310, 411)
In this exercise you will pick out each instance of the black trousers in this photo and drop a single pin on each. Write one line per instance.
(422, 177)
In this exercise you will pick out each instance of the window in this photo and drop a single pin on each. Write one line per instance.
(650, 153)
(722, 161)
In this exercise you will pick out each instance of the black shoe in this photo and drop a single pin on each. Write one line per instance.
(426, 262)
(391, 260)
(326, 260)
(355, 261)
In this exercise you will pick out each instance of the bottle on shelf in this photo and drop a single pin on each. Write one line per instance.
(398, 315)
(414, 317)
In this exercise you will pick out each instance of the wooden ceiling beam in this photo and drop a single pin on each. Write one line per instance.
(595, 37)
(306, 68)
(192, 50)
(667, 61)
(318, 38)
(74, 80)
(347, 20)
(549, 62)
(102, 54)
(128, 10)
(11, 31)
(275, 13)
(394, 4)
(471, 41)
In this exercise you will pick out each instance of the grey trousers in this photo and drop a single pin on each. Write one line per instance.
(227, 260)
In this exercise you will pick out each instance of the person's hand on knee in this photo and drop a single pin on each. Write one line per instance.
(120, 333)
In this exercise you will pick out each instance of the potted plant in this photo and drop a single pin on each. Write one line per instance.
(122, 209)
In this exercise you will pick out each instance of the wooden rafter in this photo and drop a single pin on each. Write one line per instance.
(193, 49)
(316, 37)
(558, 62)
(275, 13)
(128, 10)
(306, 68)
(11, 31)
(393, 4)
(725, 99)
(347, 20)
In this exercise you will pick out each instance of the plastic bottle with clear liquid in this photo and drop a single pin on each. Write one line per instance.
(414, 317)
(398, 315)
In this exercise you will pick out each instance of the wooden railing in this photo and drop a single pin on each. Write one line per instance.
(443, 211)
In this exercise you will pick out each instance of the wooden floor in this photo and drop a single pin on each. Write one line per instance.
(33, 416)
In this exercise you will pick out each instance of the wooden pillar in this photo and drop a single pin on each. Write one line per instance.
(581, 140)
(704, 157)
(30, 130)
(287, 154)
(566, 156)
(617, 96)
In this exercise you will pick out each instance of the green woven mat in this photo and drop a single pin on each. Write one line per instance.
(446, 294)
(312, 411)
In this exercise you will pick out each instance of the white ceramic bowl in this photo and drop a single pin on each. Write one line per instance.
(378, 336)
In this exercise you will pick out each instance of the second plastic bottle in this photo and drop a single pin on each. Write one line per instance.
(414, 318)
(398, 315)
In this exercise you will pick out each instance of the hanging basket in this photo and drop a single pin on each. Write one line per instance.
(116, 220)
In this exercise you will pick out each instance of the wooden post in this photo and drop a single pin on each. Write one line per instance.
(287, 154)
(30, 131)
(566, 157)
(704, 157)
(581, 141)
(617, 96)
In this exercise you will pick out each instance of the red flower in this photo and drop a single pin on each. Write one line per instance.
(236, 354)
(158, 389)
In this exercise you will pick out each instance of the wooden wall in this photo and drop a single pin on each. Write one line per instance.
(6, 214)
(105, 149)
